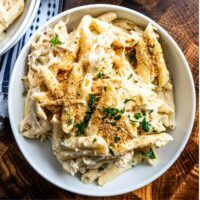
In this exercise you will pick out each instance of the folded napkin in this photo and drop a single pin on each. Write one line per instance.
(47, 9)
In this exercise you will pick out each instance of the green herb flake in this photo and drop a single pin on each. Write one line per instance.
(151, 111)
(118, 117)
(133, 57)
(132, 120)
(83, 125)
(111, 151)
(144, 113)
(129, 76)
(55, 41)
(92, 100)
(101, 75)
(145, 125)
(127, 100)
(94, 140)
(150, 154)
(105, 88)
(117, 139)
(81, 128)
(110, 112)
(122, 110)
(137, 115)
(118, 128)
(113, 113)
(129, 117)
(113, 123)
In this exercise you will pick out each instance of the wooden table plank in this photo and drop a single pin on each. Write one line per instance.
(180, 19)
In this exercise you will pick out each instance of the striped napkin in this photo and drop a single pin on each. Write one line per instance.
(47, 9)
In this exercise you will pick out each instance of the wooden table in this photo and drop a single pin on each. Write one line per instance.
(180, 19)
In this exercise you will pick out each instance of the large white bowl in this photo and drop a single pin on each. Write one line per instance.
(19, 26)
(40, 155)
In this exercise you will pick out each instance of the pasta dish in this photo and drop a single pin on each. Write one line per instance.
(101, 93)
(9, 11)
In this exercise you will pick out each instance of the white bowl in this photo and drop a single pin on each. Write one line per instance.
(19, 26)
(40, 155)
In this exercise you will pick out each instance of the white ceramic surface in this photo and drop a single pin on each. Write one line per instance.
(40, 155)
(20, 26)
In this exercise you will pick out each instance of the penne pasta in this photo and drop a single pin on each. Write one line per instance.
(102, 93)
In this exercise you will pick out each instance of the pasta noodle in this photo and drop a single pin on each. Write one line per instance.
(102, 93)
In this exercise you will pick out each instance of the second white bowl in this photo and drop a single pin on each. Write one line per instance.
(19, 26)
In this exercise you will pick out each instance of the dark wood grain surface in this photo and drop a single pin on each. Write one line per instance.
(180, 18)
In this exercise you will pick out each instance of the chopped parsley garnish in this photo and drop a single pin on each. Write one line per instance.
(133, 57)
(105, 88)
(129, 117)
(127, 100)
(132, 120)
(150, 154)
(113, 123)
(143, 113)
(92, 100)
(118, 128)
(122, 110)
(136, 81)
(130, 76)
(113, 113)
(83, 125)
(55, 41)
(111, 151)
(117, 139)
(118, 117)
(137, 115)
(94, 140)
(100, 75)
(145, 125)
(150, 111)
(81, 128)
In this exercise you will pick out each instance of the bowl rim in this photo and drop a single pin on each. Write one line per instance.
(26, 22)
(180, 148)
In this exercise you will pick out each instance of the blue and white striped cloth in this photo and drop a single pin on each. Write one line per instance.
(47, 9)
